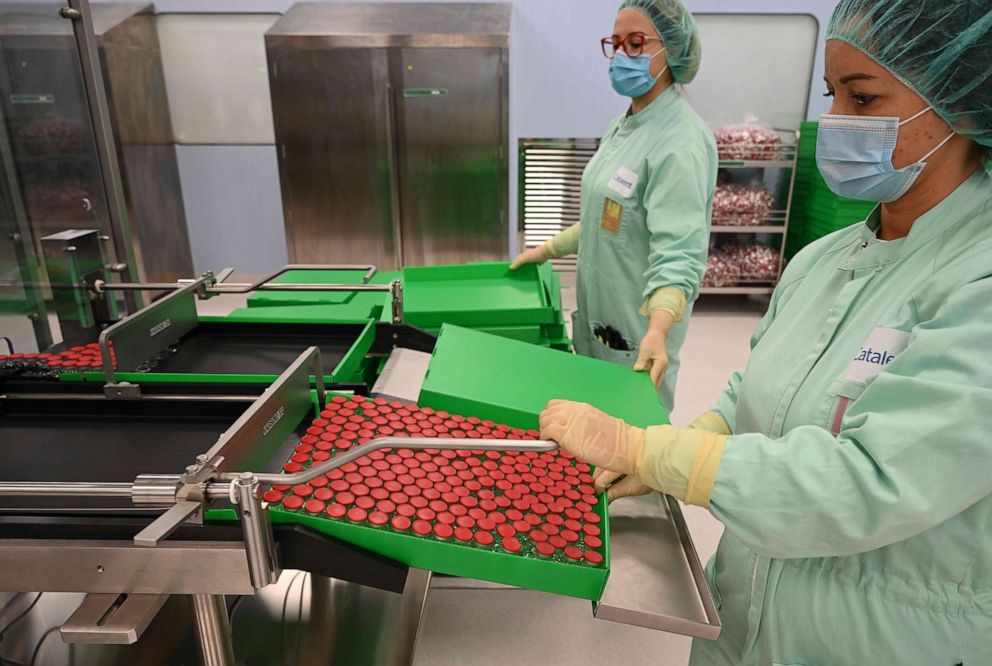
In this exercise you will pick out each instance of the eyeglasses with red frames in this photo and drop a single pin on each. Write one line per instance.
(632, 44)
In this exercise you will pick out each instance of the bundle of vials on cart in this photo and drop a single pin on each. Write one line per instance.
(537, 505)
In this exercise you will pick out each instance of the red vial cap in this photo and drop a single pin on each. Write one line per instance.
(538, 536)
(323, 494)
(592, 557)
(477, 513)
(557, 541)
(401, 523)
(339, 485)
(573, 525)
(303, 490)
(445, 518)
(457, 509)
(549, 529)
(463, 534)
(573, 553)
(506, 530)
(511, 544)
(293, 502)
(443, 531)
(315, 506)
(365, 502)
(426, 514)
(569, 536)
(386, 506)
(591, 530)
(272, 496)
(378, 518)
(320, 456)
(484, 538)
(379, 493)
(591, 517)
(555, 519)
(545, 549)
(593, 542)
(422, 527)
(292, 467)
(345, 498)
(533, 519)
(466, 521)
(406, 510)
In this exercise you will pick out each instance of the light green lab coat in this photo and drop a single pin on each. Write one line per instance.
(663, 234)
(872, 546)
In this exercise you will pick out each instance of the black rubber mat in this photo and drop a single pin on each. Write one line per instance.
(256, 349)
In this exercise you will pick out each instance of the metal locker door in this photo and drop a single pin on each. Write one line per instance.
(451, 115)
(334, 137)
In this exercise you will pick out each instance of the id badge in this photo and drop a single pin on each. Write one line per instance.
(612, 214)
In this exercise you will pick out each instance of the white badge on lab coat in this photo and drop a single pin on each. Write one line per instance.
(881, 347)
(623, 182)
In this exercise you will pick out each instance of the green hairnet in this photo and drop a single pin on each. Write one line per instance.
(942, 49)
(677, 30)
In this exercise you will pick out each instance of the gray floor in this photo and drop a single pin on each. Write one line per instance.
(503, 626)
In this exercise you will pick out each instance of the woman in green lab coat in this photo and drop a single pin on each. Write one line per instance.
(646, 198)
(851, 463)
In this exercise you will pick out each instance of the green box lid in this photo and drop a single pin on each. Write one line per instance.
(511, 382)
(477, 294)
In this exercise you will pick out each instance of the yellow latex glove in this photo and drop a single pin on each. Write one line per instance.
(653, 356)
(560, 245)
(617, 485)
(681, 462)
(535, 255)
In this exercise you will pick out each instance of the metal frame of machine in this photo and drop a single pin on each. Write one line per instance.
(129, 582)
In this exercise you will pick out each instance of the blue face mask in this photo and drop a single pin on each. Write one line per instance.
(854, 155)
(631, 77)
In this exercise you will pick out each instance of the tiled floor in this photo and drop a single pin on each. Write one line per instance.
(494, 627)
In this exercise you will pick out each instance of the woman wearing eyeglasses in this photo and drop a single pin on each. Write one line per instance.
(646, 196)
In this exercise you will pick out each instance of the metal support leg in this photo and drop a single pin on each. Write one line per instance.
(259, 542)
(213, 629)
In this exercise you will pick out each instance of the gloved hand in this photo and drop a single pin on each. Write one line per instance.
(599, 439)
(653, 356)
(682, 462)
(627, 486)
(535, 255)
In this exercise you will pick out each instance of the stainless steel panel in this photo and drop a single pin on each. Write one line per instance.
(656, 580)
(331, 120)
(392, 24)
(403, 375)
(53, 142)
(392, 155)
(116, 619)
(450, 140)
(174, 567)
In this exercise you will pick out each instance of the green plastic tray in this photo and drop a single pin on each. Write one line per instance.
(575, 580)
(361, 308)
(346, 369)
(511, 382)
(478, 294)
(277, 298)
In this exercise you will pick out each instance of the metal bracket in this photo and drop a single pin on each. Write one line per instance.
(167, 523)
(112, 619)
(122, 391)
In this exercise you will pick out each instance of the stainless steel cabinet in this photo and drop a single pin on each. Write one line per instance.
(391, 127)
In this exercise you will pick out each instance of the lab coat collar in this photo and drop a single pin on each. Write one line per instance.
(654, 110)
(959, 206)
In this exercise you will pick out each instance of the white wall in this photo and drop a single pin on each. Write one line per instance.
(558, 88)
